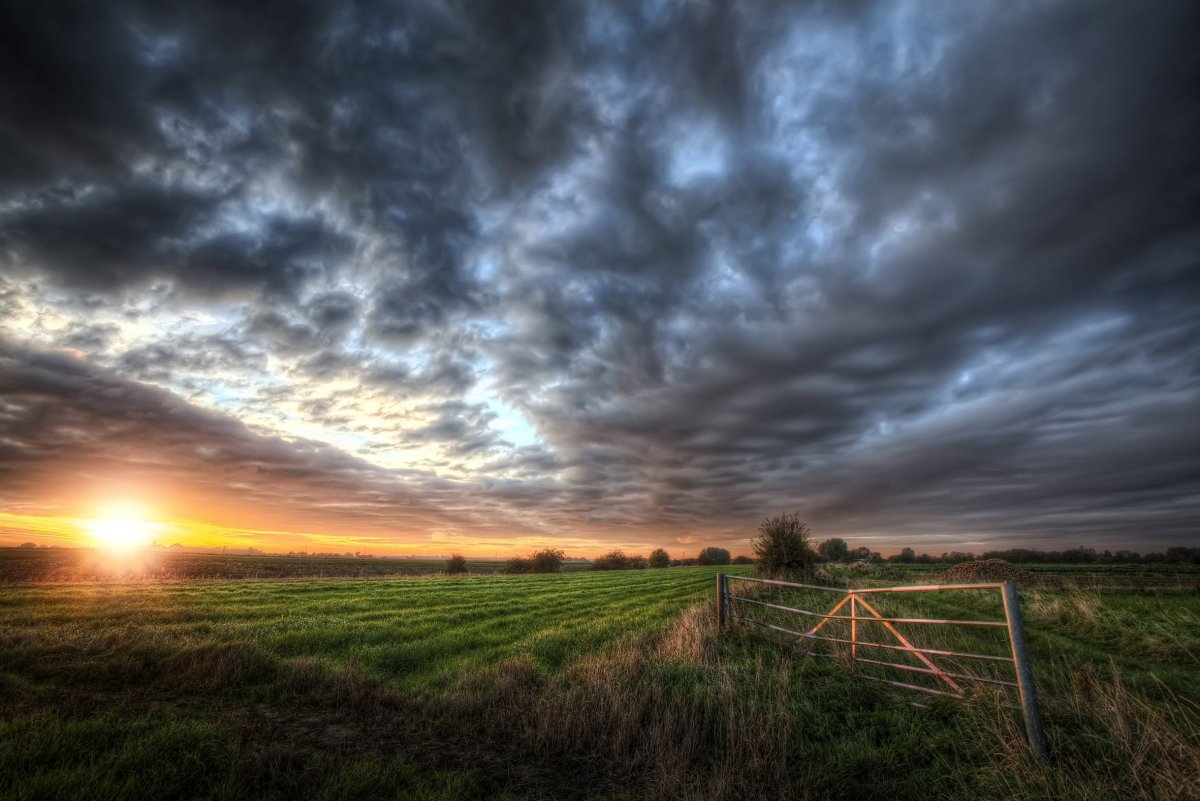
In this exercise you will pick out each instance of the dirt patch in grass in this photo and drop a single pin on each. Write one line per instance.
(983, 571)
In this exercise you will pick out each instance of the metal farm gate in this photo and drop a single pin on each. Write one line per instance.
(873, 641)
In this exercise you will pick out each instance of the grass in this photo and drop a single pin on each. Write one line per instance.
(588, 685)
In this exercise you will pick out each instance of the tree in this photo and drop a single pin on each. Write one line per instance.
(906, 556)
(457, 563)
(713, 555)
(835, 549)
(742, 560)
(660, 558)
(861, 554)
(783, 546)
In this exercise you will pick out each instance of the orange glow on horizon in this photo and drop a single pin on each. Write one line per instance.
(124, 531)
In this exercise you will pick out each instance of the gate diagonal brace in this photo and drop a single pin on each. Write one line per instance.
(832, 611)
(904, 641)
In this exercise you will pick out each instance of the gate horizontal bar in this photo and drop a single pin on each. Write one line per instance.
(872, 619)
(871, 590)
(926, 588)
(914, 669)
(913, 687)
(787, 583)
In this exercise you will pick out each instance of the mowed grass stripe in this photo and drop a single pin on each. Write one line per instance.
(402, 631)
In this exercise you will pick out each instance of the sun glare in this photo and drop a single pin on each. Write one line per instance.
(122, 530)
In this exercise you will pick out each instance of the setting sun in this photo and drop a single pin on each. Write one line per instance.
(122, 529)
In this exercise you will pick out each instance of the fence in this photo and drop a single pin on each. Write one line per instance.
(952, 683)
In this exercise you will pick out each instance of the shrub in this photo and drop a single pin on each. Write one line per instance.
(547, 560)
(660, 558)
(742, 560)
(713, 556)
(519, 564)
(618, 560)
(457, 563)
(784, 546)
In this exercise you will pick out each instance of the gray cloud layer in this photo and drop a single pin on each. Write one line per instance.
(923, 271)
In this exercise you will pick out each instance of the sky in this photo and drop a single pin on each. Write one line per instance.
(484, 277)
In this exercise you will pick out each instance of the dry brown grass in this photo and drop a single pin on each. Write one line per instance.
(616, 719)
(1069, 608)
(1132, 750)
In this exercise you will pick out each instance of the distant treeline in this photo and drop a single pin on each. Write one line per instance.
(836, 550)
(550, 560)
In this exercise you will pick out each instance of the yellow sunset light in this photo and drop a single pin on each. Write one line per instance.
(122, 529)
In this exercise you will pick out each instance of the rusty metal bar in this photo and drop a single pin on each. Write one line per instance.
(915, 669)
(876, 619)
(904, 640)
(913, 650)
(1025, 685)
(873, 590)
(926, 588)
(914, 687)
(832, 614)
(789, 584)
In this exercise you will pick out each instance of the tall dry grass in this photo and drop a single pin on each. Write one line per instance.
(1105, 741)
(662, 717)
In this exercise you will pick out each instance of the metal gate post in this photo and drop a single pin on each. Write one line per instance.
(726, 603)
(1025, 686)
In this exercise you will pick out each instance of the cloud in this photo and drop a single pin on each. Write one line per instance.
(65, 420)
(922, 269)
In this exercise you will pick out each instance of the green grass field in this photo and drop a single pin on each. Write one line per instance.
(585, 685)
(43, 565)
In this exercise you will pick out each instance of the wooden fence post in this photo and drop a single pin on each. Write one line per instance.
(1025, 686)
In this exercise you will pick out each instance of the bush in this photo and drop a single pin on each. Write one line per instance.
(713, 556)
(547, 560)
(618, 560)
(660, 558)
(519, 564)
(742, 560)
(784, 546)
(457, 563)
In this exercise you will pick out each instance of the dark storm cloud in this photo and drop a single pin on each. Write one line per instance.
(928, 269)
(211, 354)
(333, 312)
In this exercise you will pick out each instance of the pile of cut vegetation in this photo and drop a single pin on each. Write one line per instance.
(986, 570)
